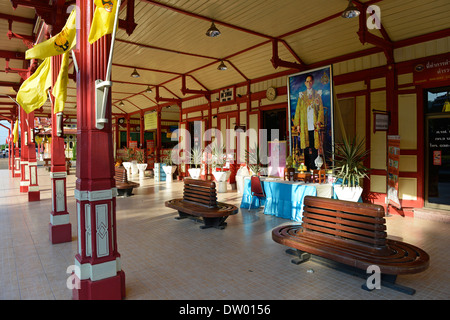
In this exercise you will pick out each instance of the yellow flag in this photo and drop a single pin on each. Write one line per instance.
(16, 131)
(61, 43)
(60, 87)
(33, 91)
(103, 21)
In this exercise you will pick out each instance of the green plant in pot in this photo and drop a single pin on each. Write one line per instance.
(349, 168)
(219, 156)
(196, 160)
(253, 160)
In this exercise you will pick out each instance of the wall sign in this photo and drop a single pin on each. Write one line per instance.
(380, 121)
(432, 69)
(226, 95)
(151, 121)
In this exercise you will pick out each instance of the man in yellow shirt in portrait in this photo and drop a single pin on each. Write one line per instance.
(309, 120)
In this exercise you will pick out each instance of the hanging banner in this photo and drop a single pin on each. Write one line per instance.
(151, 121)
(393, 170)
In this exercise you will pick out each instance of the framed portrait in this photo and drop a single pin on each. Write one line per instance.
(311, 135)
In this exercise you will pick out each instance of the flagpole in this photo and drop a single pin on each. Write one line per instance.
(106, 84)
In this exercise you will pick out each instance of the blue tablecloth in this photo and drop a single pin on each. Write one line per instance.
(283, 200)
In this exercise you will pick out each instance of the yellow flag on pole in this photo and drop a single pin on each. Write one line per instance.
(60, 88)
(103, 21)
(33, 91)
(16, 132)
(59, 44)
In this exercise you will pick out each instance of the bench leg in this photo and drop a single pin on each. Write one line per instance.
(387, 280)
(125, 192)
(218, 223)
(182, 215)
(301, 256)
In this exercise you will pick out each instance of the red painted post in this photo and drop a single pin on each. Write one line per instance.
(15, 154)
(24, 170)
(33, 188)
(59, 228)
(97, 262)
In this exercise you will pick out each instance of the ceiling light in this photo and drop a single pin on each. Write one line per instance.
(121, 104)
(213, 31)
(148, 90)
(222, 66)
(351, 11)
(135, 74)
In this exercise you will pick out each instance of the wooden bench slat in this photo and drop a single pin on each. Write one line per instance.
(345, 215)
(342, 236)
(339, 220)
(345, 228)
(366, 209)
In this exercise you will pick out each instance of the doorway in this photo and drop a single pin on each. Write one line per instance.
(437, 159)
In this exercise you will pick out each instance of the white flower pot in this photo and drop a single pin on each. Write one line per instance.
(127, 166)
(221, 179)
(194, 173)
(169, 170)
(348, 193)
(134, 168)
(141, 167)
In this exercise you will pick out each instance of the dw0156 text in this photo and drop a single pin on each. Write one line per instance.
(246, 309)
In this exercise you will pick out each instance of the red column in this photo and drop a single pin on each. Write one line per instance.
(141, 125)
(59, 228)
(33, 187)
(14, 154)
(97, 262)
(24, 170)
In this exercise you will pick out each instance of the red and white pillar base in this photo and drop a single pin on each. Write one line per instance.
(16, 169)
(33, 188)
(60, 229)
(97, 264)
(24, 176)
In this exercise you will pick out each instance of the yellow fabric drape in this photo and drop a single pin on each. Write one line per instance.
(60, 88)
(103, 21)
(59, 44)
(34, 91)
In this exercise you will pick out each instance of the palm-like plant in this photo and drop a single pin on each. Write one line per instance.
(196, 156)
(349, 159)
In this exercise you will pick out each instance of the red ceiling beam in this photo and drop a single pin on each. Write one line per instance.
(17, 18)
(5, 54)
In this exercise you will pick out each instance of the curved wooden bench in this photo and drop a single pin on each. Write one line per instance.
(353, 234)
(200, 200)
(124, 187)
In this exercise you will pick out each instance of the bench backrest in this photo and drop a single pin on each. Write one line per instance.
(200, 191)
(356, 225)
(121, 175)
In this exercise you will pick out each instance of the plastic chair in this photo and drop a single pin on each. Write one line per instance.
(256, 188)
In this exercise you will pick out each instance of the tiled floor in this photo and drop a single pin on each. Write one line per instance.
(168, 259)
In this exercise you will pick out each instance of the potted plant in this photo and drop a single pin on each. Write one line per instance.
(348, 169)
(141, 165)
(221, 175)
(196, 159)
(253, 160)
(169, 168)
(127, 161)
